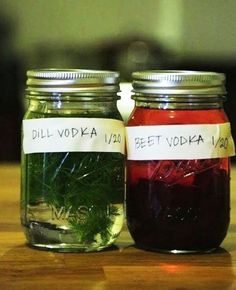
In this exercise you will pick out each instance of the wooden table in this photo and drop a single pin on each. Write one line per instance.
(122, 267)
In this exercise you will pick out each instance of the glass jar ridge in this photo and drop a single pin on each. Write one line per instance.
(179, 89)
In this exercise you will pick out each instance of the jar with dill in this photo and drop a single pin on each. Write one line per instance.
(73, 162)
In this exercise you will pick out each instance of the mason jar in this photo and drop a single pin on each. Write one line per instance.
(178, 170)
(72, 160)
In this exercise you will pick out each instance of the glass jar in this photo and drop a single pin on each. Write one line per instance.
(72, 160)
(178, 169)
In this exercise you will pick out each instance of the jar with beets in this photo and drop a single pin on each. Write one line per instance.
(178, 169)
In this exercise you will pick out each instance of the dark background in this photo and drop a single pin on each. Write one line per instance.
(117, 35)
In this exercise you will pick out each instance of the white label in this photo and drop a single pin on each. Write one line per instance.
(73, 135)
(163, 142)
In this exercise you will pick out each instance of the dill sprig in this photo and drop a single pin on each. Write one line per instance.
(87, 184)
(90, 181)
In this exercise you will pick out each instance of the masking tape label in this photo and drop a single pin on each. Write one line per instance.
(163, 142)
(73, 135)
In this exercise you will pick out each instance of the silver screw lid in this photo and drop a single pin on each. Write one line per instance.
(179, 82)
(72, 80)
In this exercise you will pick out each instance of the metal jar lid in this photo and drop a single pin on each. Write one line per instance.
(72, 81)
(176, 82)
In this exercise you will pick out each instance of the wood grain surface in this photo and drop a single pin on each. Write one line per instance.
(121, 267)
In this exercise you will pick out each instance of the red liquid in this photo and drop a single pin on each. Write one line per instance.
(178, 204)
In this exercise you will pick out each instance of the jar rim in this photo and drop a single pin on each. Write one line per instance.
(178, 82)
(72, 80)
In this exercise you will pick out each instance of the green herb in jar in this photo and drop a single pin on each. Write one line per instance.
(72, 192)
(73, 160)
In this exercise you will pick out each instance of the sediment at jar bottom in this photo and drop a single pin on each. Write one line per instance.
(192, 218)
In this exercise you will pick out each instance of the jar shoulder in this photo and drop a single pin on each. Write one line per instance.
(146, 116)
(48, 110)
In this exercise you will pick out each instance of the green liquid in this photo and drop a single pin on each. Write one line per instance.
(72, 201)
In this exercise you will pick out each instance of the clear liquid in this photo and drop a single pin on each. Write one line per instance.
(72, 201)
(52, 228)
